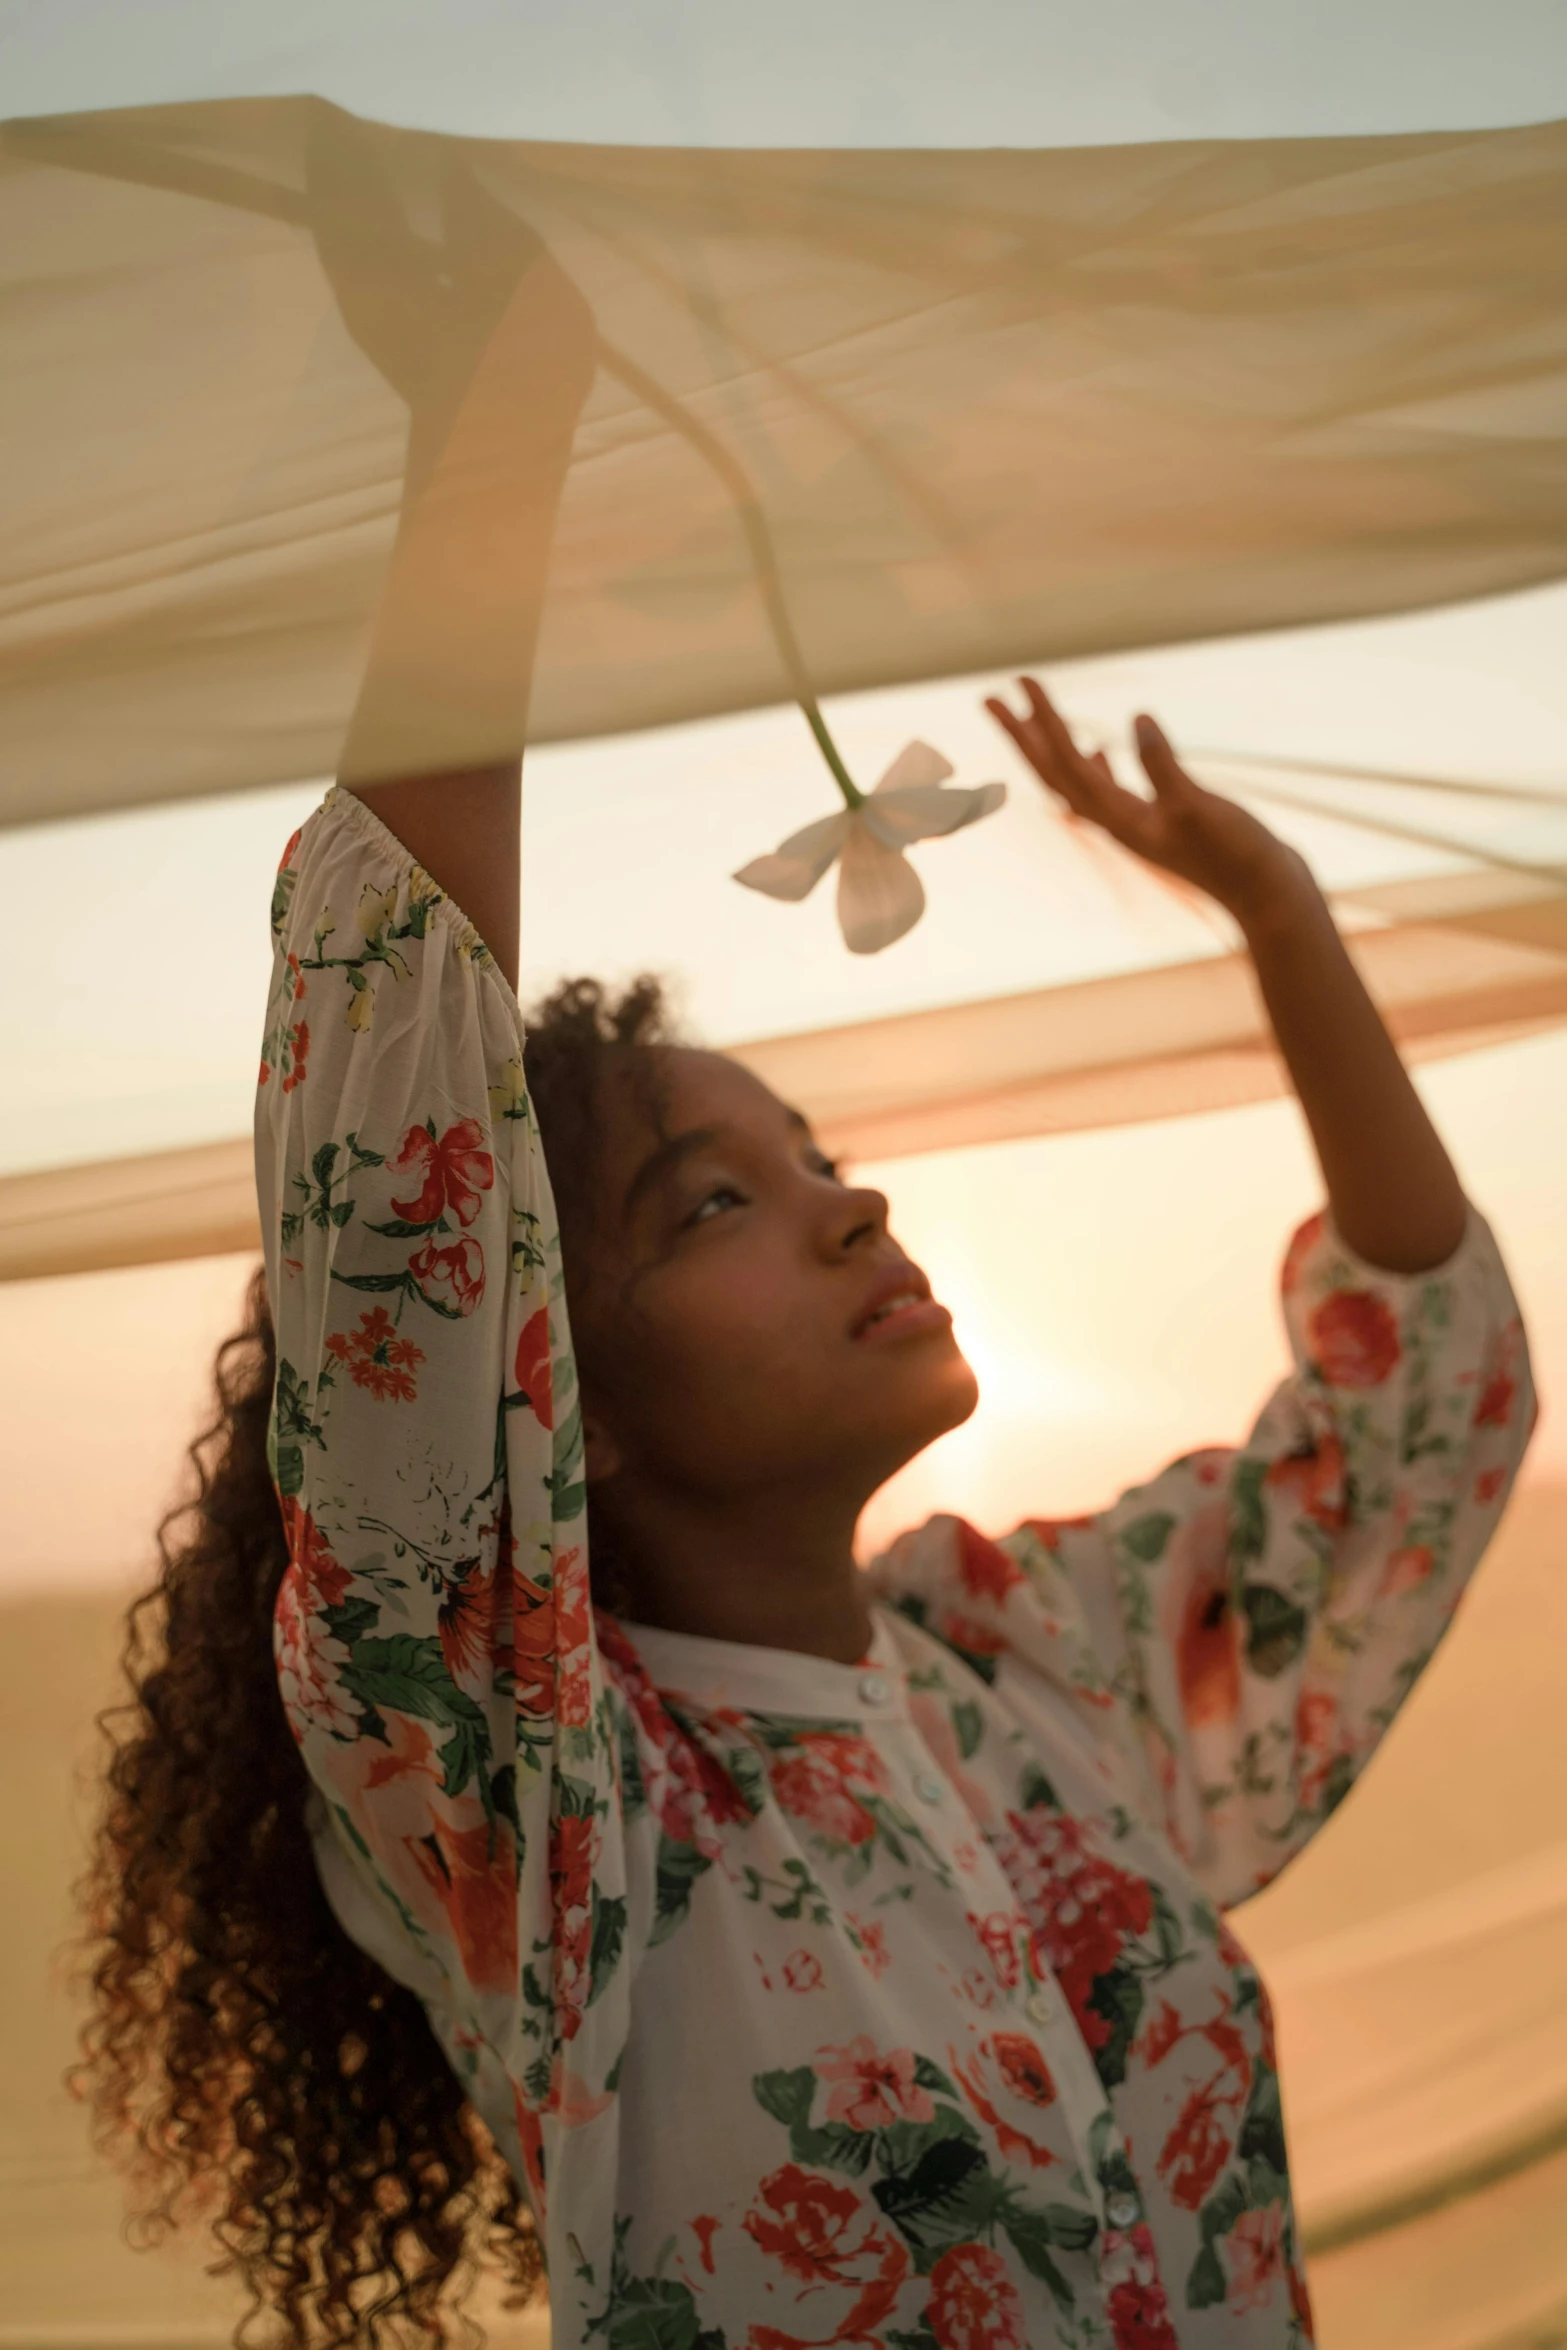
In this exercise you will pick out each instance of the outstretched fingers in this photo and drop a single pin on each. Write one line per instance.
(1160, 764)
(1082, 779)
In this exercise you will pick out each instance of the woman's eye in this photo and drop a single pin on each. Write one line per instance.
(722, 1195)
(831, 1168)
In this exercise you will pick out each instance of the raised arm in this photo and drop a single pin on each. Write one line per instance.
(451, 654)
(1394, 1195)
(1254, 1616)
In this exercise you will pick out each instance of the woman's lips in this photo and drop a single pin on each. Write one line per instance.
(912, 1313)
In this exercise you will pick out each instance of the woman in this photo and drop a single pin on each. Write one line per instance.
(832, 1958)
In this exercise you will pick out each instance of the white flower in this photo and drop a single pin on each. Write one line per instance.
(879, 892)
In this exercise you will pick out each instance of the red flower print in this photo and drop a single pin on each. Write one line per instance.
(376, 1358)
(1354, 1338)
(451, 1172)
(1313, 1481)
(822, 2235)
(1140, 2318)
(409, 1753)
(1007, 2067)
(998, 1932)
(533, 1645)
(1024, 2069)
(465, 1621)
(802, 1971)
(973, 2303)
(987, 1570)
(1082, 1908)
(1489, 1484)
(689, 1792)
(1208, 1651)
(705, 2228)
(870, 1940)
(970, 1635)
(1406, 1569)
(1300, 1248)
(474, 1873)
(871, 2091)
(1495, 1407)
(532, 1367)
(287, 857)
(451, 1276)
(1199, 2146)
(298, 1048)
(1256, 2248)
(805, 2223)
(317, 1578)
(309, 1661)
(573, 1640)
(574, 1844)
(812, 1781)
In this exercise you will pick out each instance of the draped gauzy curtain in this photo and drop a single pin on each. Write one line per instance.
(856, 418)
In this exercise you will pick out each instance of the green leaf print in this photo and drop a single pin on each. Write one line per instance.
(786, 2095)
(1035, 1791)
(1118, 1997)
(1248, 1511)
(1276, 1629)
(968, 1727)
(1262, 2126)
(653, 2313)
(1205, 2284)
(609, 1932)
(678, 1868)
(292, 1428)
(1146, 1537)
(410, 1676)
(948, 2197)
(352, 1620)
(1033, 2238)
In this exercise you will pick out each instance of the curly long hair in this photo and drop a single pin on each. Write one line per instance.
(243, 2058)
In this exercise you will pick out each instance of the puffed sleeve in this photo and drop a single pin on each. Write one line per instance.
(1273, 1606)
(434, 1637)
(1245, 1626)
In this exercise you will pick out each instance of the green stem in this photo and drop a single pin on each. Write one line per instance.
(758, 538)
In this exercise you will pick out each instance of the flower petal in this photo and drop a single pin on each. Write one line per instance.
(915, 764)
(924, 811)
(797, 864)
(879, 893)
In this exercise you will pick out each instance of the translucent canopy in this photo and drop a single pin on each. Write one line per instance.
(856, 418)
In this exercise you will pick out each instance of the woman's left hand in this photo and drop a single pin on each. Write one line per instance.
(1184, 829)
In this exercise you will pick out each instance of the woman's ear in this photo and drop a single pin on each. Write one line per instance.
(601, 1457)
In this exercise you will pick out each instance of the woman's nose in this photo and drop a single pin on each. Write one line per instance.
(860, 1214)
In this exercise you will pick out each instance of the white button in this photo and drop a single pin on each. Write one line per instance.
(928, 1788)
(873, 1688)
(1121, 2210)
(1041, 2007)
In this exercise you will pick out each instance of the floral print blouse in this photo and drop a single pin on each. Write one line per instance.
(886, 2004)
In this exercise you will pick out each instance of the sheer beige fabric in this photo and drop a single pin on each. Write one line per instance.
(858, 417)
(1485, 961)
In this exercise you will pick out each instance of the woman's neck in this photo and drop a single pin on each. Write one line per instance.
(774, 1571)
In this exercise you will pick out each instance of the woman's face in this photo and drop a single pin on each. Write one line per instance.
(749, 1319)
